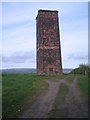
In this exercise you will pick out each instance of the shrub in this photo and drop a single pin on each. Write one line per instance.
(82, 69)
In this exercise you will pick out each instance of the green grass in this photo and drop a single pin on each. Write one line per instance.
(59, 111)
(83, 84)
(47, 77)
(0, 96)
(20, 89)
(70, 78)
(17, 89)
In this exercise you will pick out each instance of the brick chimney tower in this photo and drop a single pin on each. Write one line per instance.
(48, 43)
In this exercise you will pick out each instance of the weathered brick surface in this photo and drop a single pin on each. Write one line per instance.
(48, 43)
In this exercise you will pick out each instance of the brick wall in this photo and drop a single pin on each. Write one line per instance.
(48, 43)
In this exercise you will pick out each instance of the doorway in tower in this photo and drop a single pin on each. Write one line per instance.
(51, 70)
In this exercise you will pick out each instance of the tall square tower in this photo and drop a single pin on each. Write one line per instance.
(48, 43)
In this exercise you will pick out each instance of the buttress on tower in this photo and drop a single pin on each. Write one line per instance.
(48, 43)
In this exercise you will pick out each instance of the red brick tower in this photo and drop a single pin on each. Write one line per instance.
(48, 43)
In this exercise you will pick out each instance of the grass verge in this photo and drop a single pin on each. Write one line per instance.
(83, 85)
(59, 110)
(70, 78)
(47, 77)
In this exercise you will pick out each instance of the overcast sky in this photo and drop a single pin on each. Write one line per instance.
(19, 33)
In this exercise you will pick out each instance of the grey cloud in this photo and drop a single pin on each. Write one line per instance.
(77, 56)
(20, 57)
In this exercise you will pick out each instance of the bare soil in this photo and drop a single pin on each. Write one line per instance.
(74, 101)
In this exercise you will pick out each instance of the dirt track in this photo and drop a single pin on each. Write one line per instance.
(74, 101)
(77, 107)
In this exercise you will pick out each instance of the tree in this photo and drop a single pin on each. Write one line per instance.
(82, 69)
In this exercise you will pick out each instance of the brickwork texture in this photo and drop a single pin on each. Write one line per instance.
(48, 43)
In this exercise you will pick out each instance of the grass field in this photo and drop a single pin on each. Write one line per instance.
(83, 84)
(19, 88)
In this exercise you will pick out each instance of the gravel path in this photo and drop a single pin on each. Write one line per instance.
(74, 101)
